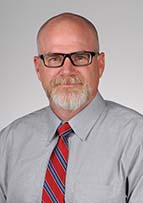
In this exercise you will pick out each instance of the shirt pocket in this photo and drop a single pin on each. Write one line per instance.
(93, 193)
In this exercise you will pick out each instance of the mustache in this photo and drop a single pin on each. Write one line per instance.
(67, 80)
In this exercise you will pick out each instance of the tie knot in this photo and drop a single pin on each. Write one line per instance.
(64, 129)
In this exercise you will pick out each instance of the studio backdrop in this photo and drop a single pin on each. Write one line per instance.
(120, 28)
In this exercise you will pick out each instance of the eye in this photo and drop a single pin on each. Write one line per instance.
(53, 59)
(80, 57)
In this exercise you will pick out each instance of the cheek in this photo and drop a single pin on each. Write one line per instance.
(45, 78)
(92, 78)
(47, 74)
(91, 75)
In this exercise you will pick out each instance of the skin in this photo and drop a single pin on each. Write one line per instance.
(65, 34)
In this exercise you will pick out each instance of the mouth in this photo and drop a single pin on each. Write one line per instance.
(69, 87)
(68, 82)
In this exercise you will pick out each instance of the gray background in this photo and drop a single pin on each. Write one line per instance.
(120, 26)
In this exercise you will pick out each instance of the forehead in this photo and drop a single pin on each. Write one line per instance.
(68, 18)
(66, 31)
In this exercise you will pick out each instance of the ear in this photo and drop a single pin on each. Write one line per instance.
(101, 63)
(37, 66)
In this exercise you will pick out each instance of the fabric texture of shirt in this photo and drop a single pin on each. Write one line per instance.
(105, 150)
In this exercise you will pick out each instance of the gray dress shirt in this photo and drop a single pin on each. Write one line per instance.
(105, 155)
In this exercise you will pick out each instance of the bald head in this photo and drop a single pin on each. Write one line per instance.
(69, 20)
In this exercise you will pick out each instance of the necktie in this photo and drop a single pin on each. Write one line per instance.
(54, 183)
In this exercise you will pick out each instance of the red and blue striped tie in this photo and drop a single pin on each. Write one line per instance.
(54, 183)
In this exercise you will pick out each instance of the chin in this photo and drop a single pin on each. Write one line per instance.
(70, 99)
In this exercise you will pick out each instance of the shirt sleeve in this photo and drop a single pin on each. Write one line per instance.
(3, 164)
(133, 162)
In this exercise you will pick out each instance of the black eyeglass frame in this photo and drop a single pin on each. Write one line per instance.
(69, 55)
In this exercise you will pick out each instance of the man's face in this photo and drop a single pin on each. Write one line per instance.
(69, 86)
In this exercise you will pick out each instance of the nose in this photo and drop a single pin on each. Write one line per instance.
(67, 67)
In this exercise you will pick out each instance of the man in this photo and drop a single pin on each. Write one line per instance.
(102, 147)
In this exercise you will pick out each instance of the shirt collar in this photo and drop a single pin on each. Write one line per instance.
(52, 124)
(81, 123)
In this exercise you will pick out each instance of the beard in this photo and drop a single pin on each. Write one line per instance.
(68, 98)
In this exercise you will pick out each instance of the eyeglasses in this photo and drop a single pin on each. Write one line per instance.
(56, 60)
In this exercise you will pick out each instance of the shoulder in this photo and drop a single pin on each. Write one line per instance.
(124, 119)
(28, 122)
(122, 112)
